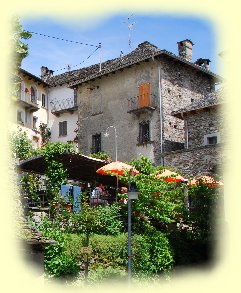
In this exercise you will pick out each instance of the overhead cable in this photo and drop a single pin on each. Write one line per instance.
(61, 39)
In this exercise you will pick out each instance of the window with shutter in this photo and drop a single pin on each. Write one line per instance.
(144, 95)
(63, 128)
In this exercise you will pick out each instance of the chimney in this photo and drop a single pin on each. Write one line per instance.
(185, 49)
(46, 73)
(203, 63)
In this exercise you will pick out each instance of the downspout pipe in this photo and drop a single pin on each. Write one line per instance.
(160, 112)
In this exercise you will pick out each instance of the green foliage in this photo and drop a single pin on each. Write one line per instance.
(57, 262)
(45, 133)
(102, 156)
(205, 202)
(56, 173)
(109, 220)
(21, 145)
(19, 47)
(143, 165)
(106, 274)
(30, 185)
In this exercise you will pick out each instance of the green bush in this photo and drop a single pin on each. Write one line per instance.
(109, 219)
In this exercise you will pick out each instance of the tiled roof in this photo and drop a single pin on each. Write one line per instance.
(143, 52)
(36, 78)
(211, 100)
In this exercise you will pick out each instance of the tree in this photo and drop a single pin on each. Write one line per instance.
(21, 145)
(20, 49)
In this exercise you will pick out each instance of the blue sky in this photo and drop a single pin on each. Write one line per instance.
(112, 32)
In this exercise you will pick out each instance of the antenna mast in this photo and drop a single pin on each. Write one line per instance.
(130, 26)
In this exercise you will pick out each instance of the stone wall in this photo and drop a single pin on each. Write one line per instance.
(197, 161)
(204, 122)
(104, 102)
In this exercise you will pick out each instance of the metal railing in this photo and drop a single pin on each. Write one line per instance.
(136, 103)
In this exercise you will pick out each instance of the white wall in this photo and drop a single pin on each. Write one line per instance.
(61, 95)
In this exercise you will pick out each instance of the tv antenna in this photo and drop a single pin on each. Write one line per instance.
(130, 25)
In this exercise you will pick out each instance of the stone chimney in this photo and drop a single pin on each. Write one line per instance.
(203, 63)
(185, 49)
(46, 73)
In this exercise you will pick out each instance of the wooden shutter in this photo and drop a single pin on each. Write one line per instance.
(144, 95)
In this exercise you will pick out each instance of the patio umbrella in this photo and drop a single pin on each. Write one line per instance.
(207, 180)
(170, 176)
(116, 168)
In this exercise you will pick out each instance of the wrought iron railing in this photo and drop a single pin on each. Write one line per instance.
(136, 103)
(57, 105)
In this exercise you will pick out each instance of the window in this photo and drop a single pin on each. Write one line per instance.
(20, 117)
(35, 119)
(63, 128)
(144, 132)
(96, 143)
(33, 95)
(212, 138)
(44, 101)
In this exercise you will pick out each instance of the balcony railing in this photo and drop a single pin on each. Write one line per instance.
(29, 102)
(63, 105)
(140, 104)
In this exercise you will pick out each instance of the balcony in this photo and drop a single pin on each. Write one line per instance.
(60, 106)
(29, 102)
(141, 104)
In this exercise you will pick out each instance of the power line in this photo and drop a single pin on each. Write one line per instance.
(61, 39)
(80, 62)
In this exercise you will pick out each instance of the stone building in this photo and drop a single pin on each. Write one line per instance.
(136, 94)
(204, 150)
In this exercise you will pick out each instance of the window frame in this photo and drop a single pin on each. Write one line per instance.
(63, 128)
(96, 143)
(211, 135)
(144, 132)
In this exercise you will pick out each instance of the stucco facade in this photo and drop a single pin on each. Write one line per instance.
(31, 107)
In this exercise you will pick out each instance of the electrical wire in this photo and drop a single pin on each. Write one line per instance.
(80, 62)
(61, 39)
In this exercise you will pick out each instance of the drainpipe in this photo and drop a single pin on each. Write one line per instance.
(186, 130)
(160, 113)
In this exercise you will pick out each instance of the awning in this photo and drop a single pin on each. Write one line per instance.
(79, 167)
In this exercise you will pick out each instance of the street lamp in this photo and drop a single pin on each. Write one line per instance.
(132, 194)
(107, 134)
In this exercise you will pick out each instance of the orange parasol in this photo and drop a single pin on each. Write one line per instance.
(207, 180)
(117, 168)
(170, 176)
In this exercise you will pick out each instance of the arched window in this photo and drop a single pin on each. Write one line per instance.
(33, 95)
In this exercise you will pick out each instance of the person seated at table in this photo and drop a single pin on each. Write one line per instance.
(96, 196)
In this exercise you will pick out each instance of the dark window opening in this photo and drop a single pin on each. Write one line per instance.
(144, 132)
(212, 140)
(63, 128)
(96, 143)
(44, 104)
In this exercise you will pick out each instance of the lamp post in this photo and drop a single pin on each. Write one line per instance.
(132, 194)
(107, 134)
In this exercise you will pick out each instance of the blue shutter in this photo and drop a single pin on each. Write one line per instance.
(65, 192)
(77, 199)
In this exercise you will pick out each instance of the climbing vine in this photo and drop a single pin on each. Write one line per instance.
(56, 173)
(45, 133)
